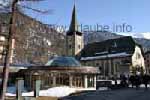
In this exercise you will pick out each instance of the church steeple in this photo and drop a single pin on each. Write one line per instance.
(74, 23)
(74, 38)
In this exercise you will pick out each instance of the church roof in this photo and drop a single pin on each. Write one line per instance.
(112, 46)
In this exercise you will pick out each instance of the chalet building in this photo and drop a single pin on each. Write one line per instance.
(114, 56)
(147, 61)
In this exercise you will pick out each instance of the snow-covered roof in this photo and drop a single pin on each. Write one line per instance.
(123, 54)
(117, 45)
(101, 53)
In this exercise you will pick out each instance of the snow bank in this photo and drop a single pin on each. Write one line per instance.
(57, 91)
(10, 94)
(54, 92)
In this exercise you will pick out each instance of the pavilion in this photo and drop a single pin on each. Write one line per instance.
(61, 71)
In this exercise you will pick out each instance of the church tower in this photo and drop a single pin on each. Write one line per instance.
(74, 38)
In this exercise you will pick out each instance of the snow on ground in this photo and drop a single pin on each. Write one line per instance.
(10, 94)
(53, 92)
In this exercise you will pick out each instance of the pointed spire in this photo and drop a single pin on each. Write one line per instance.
(74, 23)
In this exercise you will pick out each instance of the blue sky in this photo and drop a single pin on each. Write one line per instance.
(104, 12)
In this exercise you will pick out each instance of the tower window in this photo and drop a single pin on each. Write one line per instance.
(79, 46)
(97, 64)
(138, 56)
(70, 46)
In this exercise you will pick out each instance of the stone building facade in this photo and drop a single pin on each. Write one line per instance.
(147, 61)
(114, 56)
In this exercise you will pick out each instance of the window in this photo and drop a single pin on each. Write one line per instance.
(78, 81)
(3, 29)
(2, 38)
(62, 79)
(90, 81)
(70, 46)
(138, 56)
(79, 46)
(97, 64)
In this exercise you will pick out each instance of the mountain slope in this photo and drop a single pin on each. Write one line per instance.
(90, 37)
(35, 42)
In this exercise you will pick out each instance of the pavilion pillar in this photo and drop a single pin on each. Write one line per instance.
(85, 81)
(114, 66)
(54, 80)
(109, 67)
(30, 81)
(70, 80)
(95, 81)
(104, 71)
(20, 87)
(37, 84)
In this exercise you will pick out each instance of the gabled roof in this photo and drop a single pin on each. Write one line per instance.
(111, 46)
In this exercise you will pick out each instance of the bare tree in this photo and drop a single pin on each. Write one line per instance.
(8, 53)
(9, 47)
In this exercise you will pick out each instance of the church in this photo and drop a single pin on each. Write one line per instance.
(108, 58)
(113, 57)
(64, 70)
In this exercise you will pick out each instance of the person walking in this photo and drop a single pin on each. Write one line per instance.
(137, 81)
(132, 80)
(146, 79)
